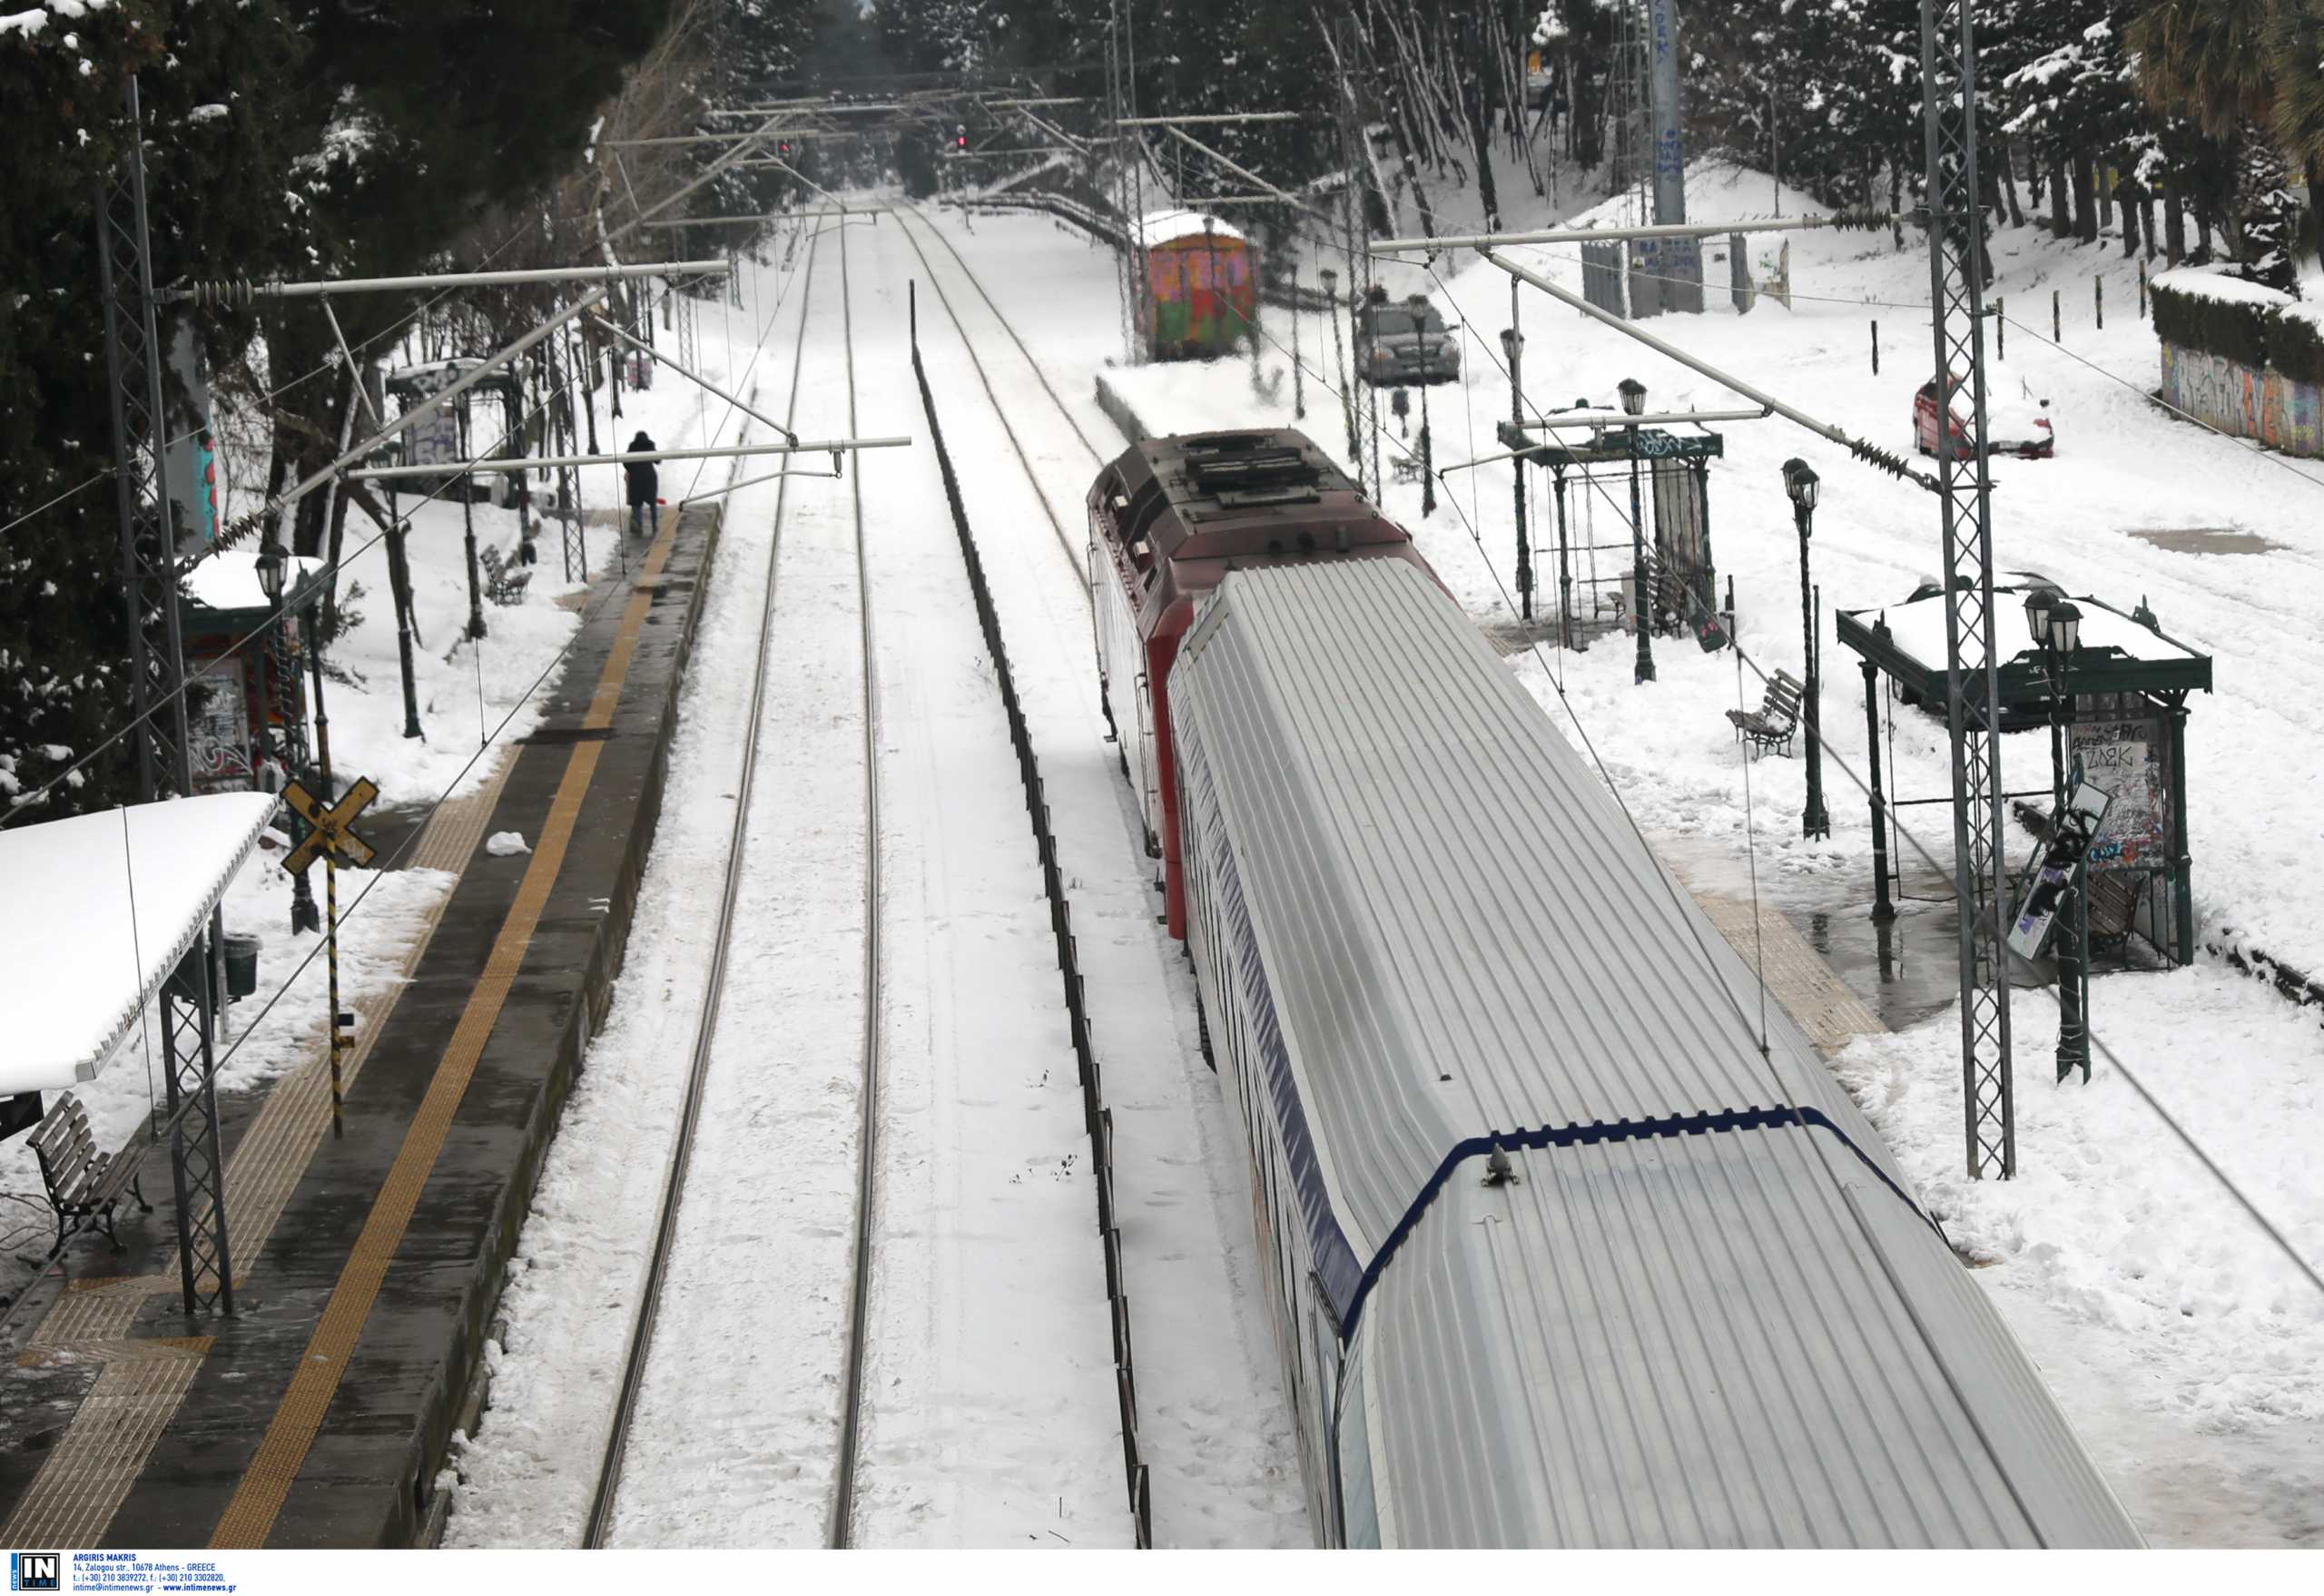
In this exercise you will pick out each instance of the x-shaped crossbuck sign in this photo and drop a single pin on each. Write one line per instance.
(332, 829)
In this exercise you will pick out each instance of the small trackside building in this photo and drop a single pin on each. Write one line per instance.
(1168, 520)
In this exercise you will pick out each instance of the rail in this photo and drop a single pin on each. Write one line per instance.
(1097, 1119)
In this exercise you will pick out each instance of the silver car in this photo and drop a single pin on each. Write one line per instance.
(1400, 344)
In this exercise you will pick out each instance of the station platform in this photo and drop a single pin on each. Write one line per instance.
(367, 1269)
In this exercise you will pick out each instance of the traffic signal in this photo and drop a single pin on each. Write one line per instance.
(785, 147)
(960, 137)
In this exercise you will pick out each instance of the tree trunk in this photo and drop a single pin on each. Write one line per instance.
(2146, 220)
(2130, 221)
(2174, 227)
(2009, 182)
(2086, 199)
(2061, 209)
(1477, 95)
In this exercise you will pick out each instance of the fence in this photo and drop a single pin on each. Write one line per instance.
(1097, 1119)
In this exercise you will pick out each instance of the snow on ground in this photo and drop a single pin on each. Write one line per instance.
(2204, 1453)
(990, 1410)
(527, 1477)
(1212, 1425)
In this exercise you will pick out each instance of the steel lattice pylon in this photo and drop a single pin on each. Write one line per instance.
(1972, 690)
(157, 675)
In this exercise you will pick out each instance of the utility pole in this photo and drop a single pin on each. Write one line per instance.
(1964, 493)
(189, 997)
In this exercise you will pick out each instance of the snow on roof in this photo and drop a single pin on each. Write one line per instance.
(78, 960)
(1918, 628)
(227, 579)
(2213, 282)
(1162, 227)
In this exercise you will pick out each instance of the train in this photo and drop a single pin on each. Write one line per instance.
(1565, 1244)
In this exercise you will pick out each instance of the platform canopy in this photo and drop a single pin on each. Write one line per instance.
(2118, 654)
(224, 589)
(80, 954)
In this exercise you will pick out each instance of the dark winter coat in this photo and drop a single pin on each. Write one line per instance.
(644, 482)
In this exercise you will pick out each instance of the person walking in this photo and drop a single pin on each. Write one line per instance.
(644, 484)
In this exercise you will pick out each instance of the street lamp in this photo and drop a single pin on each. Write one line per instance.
(1799, 482)
(1633, 393)
(2055, 622)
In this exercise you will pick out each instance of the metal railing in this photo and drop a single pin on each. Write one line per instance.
(1097, 1119)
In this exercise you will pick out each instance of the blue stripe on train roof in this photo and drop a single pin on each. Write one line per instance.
(1334, 1259)
(1348, 1281)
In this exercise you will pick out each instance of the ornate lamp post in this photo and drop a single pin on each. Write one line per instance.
(2055, 622)
(1642, 603)
(1799, 482)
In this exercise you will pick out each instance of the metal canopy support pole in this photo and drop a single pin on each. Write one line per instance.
(157, 675)
(1566, 639)
(2183, 876)
(1515, 341)
(1965, 492)
(1883, 909)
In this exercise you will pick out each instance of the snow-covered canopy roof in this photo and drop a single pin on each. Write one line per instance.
(80, 956)
(1162, 227)
(1918, 628)
(227, 579)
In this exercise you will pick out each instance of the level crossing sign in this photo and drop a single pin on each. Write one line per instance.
(330, 831)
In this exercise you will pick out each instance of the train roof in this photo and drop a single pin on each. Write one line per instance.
(1705, 1309)
(1202, 503)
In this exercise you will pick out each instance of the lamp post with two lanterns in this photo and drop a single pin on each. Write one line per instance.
(1633, 393)
(2054, 622)
(1800, 482)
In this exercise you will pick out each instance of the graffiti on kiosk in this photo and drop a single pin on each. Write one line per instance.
(2122, 757)
(2264, 404)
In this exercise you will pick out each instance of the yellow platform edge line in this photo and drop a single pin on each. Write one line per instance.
(249, 1516)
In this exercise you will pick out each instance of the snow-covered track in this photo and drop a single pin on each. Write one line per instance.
(639, 1350)
(840, 1523)
(904, 219)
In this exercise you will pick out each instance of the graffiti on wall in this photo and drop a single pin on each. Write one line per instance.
(2264, 404)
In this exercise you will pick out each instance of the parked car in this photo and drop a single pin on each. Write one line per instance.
(1401, 343)
(2017, 419)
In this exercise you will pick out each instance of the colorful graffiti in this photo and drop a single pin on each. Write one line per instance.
(2264, 404)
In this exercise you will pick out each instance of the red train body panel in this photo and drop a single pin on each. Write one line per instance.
(1168, 520)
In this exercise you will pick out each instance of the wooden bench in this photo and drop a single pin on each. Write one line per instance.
(1775, 722)
(82, 1183)
(504, 584)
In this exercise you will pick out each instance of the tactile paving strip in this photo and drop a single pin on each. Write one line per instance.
(1814, 997)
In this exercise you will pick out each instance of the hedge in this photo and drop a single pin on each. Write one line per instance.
(2252, 335)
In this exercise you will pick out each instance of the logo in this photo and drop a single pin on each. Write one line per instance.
(35, 1570)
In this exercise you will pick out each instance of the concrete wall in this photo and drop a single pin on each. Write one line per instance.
(2263, 404)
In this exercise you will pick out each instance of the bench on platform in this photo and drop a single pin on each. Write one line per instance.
(1775, 722)
(82, 1183)
(504, 584)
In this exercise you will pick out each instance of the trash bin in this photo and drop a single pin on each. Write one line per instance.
(241, 965)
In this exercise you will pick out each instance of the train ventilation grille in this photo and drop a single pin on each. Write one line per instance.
(1272, 476)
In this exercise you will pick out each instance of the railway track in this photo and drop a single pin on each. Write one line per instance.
(906, 219)
(638, 1354)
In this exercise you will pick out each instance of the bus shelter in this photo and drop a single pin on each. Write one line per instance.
(485, 422)
(2119, 702)
(1590, 479)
